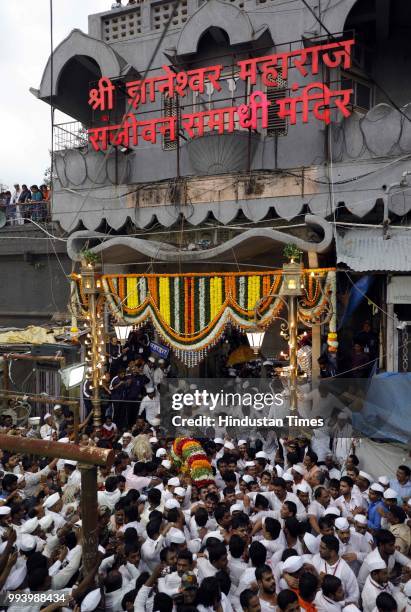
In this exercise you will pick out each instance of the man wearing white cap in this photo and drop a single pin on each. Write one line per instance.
(376, 583)
(375, 506)
(47, 429)
(363, 482)
(53, 505)
(127, 442)
(160, 373)
(72, 473)
(172, 483)
(5, 519)
(353, 547)
(360, 527)
(150, 405)
(149, 369)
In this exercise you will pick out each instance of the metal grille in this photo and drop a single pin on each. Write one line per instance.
(47, 381)
(405, 349)
(161, 12)
(72, 135)
(170, 109)
(123, 26)
(276, 125)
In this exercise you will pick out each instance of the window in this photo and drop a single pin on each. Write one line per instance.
(276, 125)
(362, 97)
(233, 93)
(170, 109)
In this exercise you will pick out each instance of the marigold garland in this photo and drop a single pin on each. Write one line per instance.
(188, 455)
(190, 311)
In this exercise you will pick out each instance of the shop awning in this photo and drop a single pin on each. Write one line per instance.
(366, 250)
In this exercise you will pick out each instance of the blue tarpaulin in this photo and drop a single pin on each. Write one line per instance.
(387, 409)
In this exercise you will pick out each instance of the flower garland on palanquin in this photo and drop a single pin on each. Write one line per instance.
(189, 457)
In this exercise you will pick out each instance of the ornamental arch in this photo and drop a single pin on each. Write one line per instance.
(78, 61)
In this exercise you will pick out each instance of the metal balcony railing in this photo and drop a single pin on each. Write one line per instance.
(72, 135)
(24, 211)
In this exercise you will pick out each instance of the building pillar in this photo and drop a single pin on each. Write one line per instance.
(315, 330)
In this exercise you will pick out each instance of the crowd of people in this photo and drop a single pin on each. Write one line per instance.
(278, 526)
(24, 203)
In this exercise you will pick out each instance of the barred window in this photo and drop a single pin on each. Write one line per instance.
(276, 125)
(170, 109)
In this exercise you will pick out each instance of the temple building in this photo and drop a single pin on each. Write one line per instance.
(187, 168)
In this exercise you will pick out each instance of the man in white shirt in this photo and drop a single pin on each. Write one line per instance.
(266, 588)
(33, 475)
(328, 561)
(47, 429)
(279, 495)
(150, 405)
(217, 560)
(111, 495)
(171, 583)
(331, 596)
(348, 502)
(160, 373)
(317, 507)
(376, 583)
(385, 551)
(353, 547)
(236, 563)
(151, 548)
(53, 505)
(149, 369)
(72, 473)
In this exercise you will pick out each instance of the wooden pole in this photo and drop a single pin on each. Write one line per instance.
(90, 455)
(38, 358)
(41, 399)
(88, 503)
(5, 377)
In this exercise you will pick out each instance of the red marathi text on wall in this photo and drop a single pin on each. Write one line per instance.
(315, 98)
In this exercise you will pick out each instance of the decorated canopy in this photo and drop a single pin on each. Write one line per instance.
(191, 311)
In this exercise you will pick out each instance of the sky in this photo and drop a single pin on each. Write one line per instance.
(24, 50)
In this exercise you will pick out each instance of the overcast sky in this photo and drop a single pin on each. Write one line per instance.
(24, 51)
